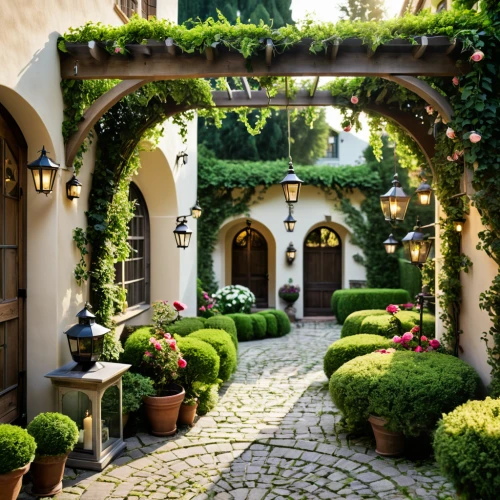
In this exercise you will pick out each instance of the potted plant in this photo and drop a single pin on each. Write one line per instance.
(187, 412)
(55, 436)
(17, 450)
(289, 292)
(135, 388)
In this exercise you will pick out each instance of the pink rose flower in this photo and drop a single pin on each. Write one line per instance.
(450, 133)
(392, 309)
(117, 50)
(210, 306)
(347, 128)
(455, 81)
(205, 295)
(167, 336)
(418, 348)
(182, 363)
(203, 308)
(407, 337)
(417, 306)
(415, 329)
(477, 56)
(409, 305)
(153, 340)
(148, 354)
(179, 306)
(158, 346)
(173, 344)
(475, 137)
(423, 338)
(396, 339)
(455, 156)
(434, 343)
(354, 100)
(429, 109)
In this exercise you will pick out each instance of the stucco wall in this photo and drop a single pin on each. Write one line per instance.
(350, 151)
(267, 216)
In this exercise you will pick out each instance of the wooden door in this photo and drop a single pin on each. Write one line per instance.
(12, 269)
(250, 264)
(322, 270)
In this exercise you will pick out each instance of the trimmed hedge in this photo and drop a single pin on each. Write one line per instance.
(135, 346)
(282, 319)
(54, 433)
(410, 277)
(345, 302)
(186, 326)
(352, 324)
(411, 390)
(203, 362)
(379, 325)
(467, 449)
(18, 448)
(271, 324)
(344, 350)
(259, 326)
(221, 341)
(220, 322)
(244, 326)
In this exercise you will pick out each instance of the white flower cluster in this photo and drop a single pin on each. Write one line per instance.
(234, 298)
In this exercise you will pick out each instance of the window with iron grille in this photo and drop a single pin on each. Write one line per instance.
(148, 8)
(133, 273)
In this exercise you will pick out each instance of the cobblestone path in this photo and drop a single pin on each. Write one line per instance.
(272, 436)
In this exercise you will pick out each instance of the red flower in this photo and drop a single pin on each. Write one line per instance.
(477, 56)
(455, 80)
(423, 338)
(434, 343)
(179, 306)
(354, 99)
(158, 346)
(182, 363)
(148, 354)
(347, 128)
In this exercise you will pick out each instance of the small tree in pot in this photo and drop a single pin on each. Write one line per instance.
(17, 450)
(55, 436)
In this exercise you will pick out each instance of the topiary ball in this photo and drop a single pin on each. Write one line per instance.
(244, 326)
(203, 362)
(186, 326)
(54, 433)
(220, 322)
(222, 343)
(411, 390)
(271, 324)
(282, 319)
(17, 448)
(135, 347)
(344, 350)
(352, 324)
(467, 448)
(259, 326)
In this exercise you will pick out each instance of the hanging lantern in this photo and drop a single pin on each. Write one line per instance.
(196, 210)
(417, 246)
(424, 193)
(395, 202)
(458, 224)
(44, 172)
(289, 221)
(391, 244)
(73, 188)
(182, 233)
(291, 185)
(290, 253)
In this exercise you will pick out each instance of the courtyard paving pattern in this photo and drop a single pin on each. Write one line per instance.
(272, 437)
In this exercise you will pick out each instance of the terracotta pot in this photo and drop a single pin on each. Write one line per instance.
(162, 411)
(47, 474)
(187, 414)
(11, 482)
(389, 444)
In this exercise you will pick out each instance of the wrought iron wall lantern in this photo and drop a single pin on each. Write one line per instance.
(289, 222)
(417, 246)
(182, 156)
(44, 172)
(182, 232)
(391, 244)
(73, 188)
(424, 193)
(458, 225)
(290, 253)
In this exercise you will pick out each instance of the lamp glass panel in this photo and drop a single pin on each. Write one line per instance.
(36, 178)
(390, 249)
(291, 191)
(85, 347)
(289, 226)
(48, 177)
(458, 226)
(98, 348)
(290, 255)
(196, 213)
(73, 345)
(75, 404)
(74, 191)
(424, 198)
(110, 417)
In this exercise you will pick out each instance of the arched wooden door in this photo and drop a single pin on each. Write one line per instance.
(12, 269)
(250, 264)
(322, 270)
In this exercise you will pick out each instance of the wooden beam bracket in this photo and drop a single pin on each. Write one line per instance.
(269, 52)
(314, 86)
(419, 51)
(333, 50)
(97, 52)
(246, 87)
(169, 43)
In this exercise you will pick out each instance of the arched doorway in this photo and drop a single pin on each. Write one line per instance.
(12, 268)
(322, 270)
(249, 264)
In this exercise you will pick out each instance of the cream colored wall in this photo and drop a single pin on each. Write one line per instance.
(30, 91)
(267, 216)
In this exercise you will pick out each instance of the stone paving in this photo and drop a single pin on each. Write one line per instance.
(272, 436)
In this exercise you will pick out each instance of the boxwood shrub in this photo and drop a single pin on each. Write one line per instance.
(409, 389)
(186, 326)
(220, 322)
(203, 362)
(271, 324)
(208, 397)
(259, 326)
(352, 324)
(135, 347)
(18, 448)
(222, 343)
(244, 326)
(54, 433)
(467, 449)
(283, 322)
(344, 350)
(345, 302)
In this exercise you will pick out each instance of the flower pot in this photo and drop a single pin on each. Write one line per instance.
(187, 414)
(11, 482)
(162, 411)
(47, 474)
(289, 297)
(389, 444)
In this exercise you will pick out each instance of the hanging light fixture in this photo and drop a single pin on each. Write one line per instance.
(395, 202)
(291, 183)
(424, 192)
(290, 253)
(44, 172)
(73, 188)
(417, 246)
(458, 224)
(182, 232)
(289, 221)
(391, 244)
(196, 210)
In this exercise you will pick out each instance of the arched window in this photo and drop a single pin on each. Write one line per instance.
(133, 273)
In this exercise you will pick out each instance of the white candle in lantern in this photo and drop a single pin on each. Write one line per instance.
(87, 431)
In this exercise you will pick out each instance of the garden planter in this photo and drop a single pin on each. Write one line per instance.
(290, 297)
(389, 444)
(47, 474)
(11, 482)
(163, 411)
(187, 414)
